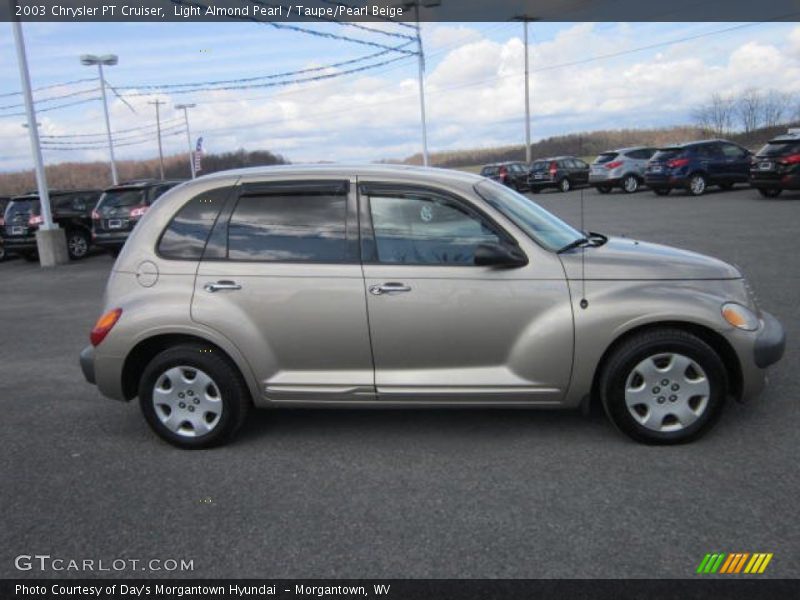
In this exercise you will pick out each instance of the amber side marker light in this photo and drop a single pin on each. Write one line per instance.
(740, 316)
(104, 325)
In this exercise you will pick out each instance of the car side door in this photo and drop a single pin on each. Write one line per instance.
(445, 330)
(281, 279)
(737, 162)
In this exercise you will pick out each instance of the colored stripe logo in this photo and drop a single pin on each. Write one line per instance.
(734, 563)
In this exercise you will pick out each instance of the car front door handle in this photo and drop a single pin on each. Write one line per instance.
(221, 285)
(388, 288)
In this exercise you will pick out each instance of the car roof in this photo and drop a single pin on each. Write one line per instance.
(337, 170)
(786, 137)
(35, 195)
(143, 183)
(505, 162)
(628, 149)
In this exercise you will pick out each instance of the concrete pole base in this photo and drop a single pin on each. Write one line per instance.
(52, 247)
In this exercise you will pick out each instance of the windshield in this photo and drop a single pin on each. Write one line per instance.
(540, 165)
(122, 198)
(543, 227)
(605, 157)
(21, 207)
(780, 148)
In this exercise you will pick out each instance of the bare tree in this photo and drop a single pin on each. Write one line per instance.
(721, 111)
(775, 108)
(748, 109)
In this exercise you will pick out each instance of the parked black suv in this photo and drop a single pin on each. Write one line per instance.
(561, 172)
(4, 200)
(514, 174)
(696, 165)
(72, 211)
(776, 167)
(121, 207)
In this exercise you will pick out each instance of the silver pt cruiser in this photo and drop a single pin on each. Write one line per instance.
(388, 286)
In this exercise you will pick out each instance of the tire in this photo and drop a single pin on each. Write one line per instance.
(565, 185)
(604, 189)
(770, 192)
(114, 252)
(30, 256)
(662, 191)
(2, 253)
(630, 184)
(637, 371)
(697, 184)
(224, 396)
(77, 244)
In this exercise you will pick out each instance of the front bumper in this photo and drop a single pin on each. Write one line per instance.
(770, 343)
(114, 239)
(12, 243)
(87, 364)
(775, 180)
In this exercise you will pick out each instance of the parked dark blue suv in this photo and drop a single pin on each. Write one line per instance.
(696, 165)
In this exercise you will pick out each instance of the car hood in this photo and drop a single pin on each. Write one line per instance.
(623, 258)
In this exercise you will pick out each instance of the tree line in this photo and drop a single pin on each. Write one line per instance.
(746, 112)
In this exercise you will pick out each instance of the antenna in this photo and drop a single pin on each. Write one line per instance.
(584, 302)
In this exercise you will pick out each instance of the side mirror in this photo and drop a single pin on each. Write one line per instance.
(499, 255)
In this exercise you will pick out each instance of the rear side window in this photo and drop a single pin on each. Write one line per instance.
(185, 236)
(605, 157)
(290, 223)
(641, 154)
(732, 151)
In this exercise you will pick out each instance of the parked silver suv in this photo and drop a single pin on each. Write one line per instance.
(389, 286)
(623, 168)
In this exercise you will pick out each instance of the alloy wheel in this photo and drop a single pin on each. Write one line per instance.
(78, 246)
(631, 184)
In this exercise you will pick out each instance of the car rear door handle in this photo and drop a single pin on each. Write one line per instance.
(221, 285)
(389, 288)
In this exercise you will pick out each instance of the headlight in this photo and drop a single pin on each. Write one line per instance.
(740, 316)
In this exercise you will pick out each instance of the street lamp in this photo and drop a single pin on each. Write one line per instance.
(525, 20)
(415, 4)
(108, 60)
(185, 108)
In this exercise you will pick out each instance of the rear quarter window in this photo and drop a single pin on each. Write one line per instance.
(186, 235)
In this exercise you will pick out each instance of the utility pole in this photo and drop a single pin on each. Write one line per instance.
(51, 242)
(108, 60)
(185, 108)
(525, 20)
(158, 104)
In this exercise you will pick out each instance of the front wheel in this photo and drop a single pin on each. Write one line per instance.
(77, 244)
(630, 184)
(193, 397)
(770, 192)
(664, 386)
(697, 184)
(565, 185)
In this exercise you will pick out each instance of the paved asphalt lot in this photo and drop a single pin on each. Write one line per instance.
(443, 494)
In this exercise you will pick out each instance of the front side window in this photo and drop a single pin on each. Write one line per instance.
(290, 223)
(185, 236)
(426, 229)
(731, 151)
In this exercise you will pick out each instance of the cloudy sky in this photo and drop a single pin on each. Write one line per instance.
(585, 76)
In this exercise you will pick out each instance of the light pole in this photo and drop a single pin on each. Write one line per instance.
(421, 56)
(50, 239)
(185, 108)
(525, 20)
(108, 60)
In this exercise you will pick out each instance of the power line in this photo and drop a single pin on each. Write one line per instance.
(205, 84)
(145, 135)
(51, 86)
(53, 98)
(67, 147)
(103, 134)
(49, 108)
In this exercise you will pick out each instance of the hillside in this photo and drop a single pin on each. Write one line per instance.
(73, 175)
(592, 143)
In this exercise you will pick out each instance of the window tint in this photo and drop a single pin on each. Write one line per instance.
(296, 223)
(426, 229)
(186, 235)
(606, 157)
(731, 151)
(707, 151)
(579, 163)
(488, 171)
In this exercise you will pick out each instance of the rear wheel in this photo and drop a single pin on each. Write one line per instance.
(664, 386)
(697, 184)
(770, 192)
(565, 185)
(603, 189)
(662, 191)
(630, 184)
(192, 397)
(77, 244)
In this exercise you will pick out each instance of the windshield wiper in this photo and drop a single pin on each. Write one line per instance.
(592, 240)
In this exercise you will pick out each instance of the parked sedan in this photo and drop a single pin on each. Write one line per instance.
(389, 286)
(623, 168)
(697, 165)
(776, 167)
(560, 172)
(512, 174)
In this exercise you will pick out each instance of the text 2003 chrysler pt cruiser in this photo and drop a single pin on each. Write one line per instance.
(396, 286)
